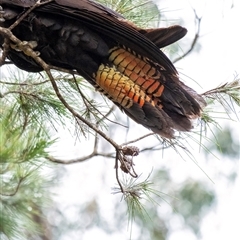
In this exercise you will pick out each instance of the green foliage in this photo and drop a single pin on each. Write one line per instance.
(226, 144)
(223, 102)
(197, 201)
(140, 198)
(33, 97)
(232, 90)
(30, 110)
(23, 147)
(134, 10)
(146, 200)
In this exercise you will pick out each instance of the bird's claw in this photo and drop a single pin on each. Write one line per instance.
(31, 44)
(25, 47)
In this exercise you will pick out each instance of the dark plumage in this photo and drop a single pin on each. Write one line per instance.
(121, 60)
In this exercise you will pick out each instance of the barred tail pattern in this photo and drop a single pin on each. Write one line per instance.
(146, 92)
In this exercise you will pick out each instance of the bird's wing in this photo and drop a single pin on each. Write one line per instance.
(109, 23)
(121, 60)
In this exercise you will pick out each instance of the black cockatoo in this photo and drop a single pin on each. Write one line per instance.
(122, 61)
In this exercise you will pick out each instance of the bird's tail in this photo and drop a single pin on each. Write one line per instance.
(147, 93)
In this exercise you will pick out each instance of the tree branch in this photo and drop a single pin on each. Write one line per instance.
(78, 160)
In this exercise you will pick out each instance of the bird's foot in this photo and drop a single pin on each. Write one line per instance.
(25, 47)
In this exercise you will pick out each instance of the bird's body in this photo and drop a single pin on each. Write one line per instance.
(122, 61)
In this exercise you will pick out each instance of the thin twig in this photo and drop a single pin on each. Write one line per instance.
(106, 115)
(88, 102)
(78, 160)
(116, 171)
(137, 139)
(37, 4)
(15, 191)
(24, 83)
(195, 39)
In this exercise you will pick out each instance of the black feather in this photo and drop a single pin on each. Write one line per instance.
(80, 35)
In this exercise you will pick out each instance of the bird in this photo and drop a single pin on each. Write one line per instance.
(122, 61)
